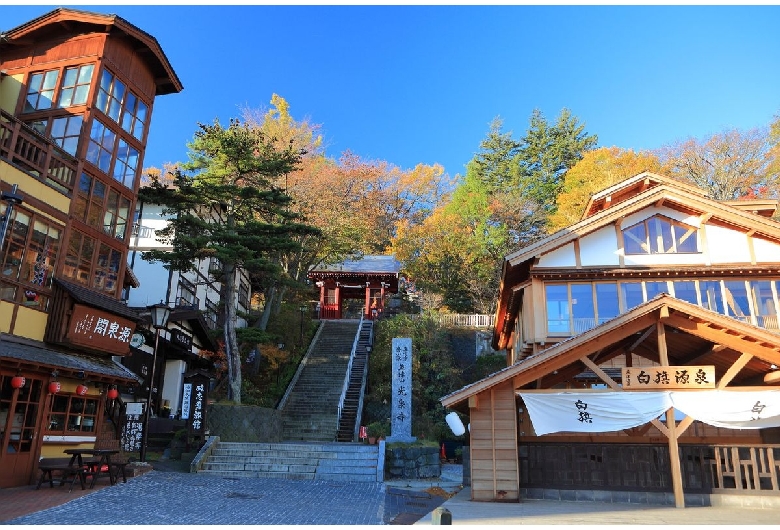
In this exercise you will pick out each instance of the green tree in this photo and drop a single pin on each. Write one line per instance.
(231, 208)
(547, 152)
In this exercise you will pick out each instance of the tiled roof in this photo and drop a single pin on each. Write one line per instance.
(92, 298)
(378, 264)
(33, 352)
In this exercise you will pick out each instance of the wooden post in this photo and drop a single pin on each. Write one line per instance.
(671, 426)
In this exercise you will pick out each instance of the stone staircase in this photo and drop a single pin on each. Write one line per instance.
(294, 460)
(310, 409)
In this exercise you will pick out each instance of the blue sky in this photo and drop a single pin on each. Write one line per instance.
(420, 84)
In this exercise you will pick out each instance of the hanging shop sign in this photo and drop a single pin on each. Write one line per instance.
(96, 329)
(668, 377)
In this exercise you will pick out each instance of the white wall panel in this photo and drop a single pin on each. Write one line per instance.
(561, 257)
(727, 246)
(600, 248)
(766, 251)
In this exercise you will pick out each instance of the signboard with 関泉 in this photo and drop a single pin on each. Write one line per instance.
(668, 377)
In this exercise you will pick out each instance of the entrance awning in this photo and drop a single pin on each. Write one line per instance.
(38, 356)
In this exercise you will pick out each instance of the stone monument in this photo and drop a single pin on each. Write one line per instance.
(401, 411)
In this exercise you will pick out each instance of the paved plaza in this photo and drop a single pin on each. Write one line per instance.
(175, 498)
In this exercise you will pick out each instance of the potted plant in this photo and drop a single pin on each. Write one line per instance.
(178, 444)
(374, 431)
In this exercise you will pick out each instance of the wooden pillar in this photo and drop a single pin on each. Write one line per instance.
(367, 308)
(671, 425)
(338, 301)
(323, 290)
(382, 298)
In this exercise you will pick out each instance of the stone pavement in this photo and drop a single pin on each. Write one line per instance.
(166, 496)
(464, 511)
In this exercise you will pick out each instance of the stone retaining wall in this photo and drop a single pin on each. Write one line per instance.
(412, 462)
(244, 423)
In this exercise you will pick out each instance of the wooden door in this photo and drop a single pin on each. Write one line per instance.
(20, 420)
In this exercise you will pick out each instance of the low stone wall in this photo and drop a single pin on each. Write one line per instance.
(244, 423)
(411, 462)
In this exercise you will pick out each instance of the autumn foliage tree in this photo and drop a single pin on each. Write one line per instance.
(728, 165)
(598, 169)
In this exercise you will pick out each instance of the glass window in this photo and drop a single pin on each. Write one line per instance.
(711, 296)
(660, 235)
(101, 146)
(655, 288)
(126, 162)
(65, 132)
(582, 307)
(72, 413)
(40, 90)
(608, 306)
(75, 85)
(28, 259)
(631, 294)
(557, 308)
(107, 270)
(765, 304)
(737, 300)
(686, 290)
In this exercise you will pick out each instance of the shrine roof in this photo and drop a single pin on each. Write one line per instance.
(375, 264)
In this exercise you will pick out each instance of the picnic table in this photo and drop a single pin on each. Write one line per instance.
(78, 467)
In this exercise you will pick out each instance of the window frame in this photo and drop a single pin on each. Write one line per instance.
(654, 237)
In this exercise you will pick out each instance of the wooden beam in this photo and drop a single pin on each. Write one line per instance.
(683, 425)
(599, 372)
(641, 339)
(772, 378)
(733, 370)
(768, 353)
(662, 353)
(660, 426)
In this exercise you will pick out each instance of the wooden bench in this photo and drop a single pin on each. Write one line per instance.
(64, 469)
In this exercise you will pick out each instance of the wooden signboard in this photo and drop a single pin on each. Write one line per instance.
(99, 330)
(668, 377)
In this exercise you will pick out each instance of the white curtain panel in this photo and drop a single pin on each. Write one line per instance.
(615, 411)
(593, 411)
(731, 409)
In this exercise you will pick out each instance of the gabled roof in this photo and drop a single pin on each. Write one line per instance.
(371, 264)
(694, 336)
(62, 20)
(638, 192)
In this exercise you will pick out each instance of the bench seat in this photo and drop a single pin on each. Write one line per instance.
(64, 470)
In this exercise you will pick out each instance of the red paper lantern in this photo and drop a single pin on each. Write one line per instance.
(17, 381)
(81, 390)
(54, 387)
(113, 393)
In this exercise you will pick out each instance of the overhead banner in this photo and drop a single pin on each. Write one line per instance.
(593, 412)
(615, 411)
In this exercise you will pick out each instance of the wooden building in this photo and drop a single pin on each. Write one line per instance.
(642, 352)
(369, 280)
(77, 91)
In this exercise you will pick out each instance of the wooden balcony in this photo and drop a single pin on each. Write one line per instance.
(36, 155)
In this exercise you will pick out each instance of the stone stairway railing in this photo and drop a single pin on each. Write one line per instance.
(295, 460)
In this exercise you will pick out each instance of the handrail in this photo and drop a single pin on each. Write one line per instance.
(356, 432)
(37, 155)
(347, 375)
